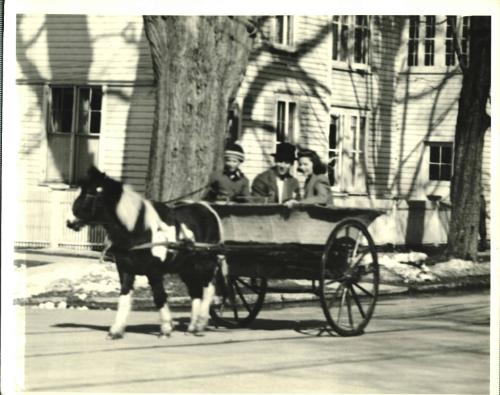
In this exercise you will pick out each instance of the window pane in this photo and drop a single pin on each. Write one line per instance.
(446, 154)
(96, 101)
(332, 138)
(95, 122)
(446, 172)
(413, 41)
(61, 114)
(434, 158)
(291, 120)
(335, 41)
(434, 172)
(344, 37)
(279, 29)
(83, 110)
(280, 122)
(289, 37)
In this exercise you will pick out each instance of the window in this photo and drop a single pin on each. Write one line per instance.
(347, 132)
(440, 161)
(425, 35)
(464, 43)
(350, 38)
(451, 23)
(283, 30)
(73, 129)
(286, 121)
(413, 40)
(430, 34)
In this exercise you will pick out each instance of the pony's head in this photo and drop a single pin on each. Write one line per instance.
(99, 194)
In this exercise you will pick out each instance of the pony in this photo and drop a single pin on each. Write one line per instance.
(139, 231)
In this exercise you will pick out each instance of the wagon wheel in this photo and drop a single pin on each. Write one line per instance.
(238, 300)
(349, 278)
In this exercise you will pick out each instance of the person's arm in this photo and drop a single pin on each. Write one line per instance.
(244, 192)
(321, 194)
(259, 187)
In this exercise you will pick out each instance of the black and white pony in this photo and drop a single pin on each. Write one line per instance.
(138, 230)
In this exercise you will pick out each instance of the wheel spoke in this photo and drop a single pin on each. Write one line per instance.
(357, 301)
(342, 300)
(349, 308)
(242, 297)
(364, 290)
(251, 287)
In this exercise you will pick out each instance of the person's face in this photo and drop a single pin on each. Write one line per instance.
(283, 168)
(305, 166)
(231, 164)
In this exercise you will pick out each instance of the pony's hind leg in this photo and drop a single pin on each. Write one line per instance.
(117, 330)
(208, 295)
(160, 300)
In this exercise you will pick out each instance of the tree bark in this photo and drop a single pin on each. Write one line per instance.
(198, 63)
(472, 123)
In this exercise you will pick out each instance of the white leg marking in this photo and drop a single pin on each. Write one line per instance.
(195, 312)
(165, 321)
(124, 306)
(208, 296)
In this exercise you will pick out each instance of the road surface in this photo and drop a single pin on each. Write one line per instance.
(425, 344)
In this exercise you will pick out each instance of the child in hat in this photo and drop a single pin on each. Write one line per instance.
(277, 185)
(231, 184)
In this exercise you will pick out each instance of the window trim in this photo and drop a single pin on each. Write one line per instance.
(290, 47)
(437, 143)
(47, 100)
(440, 40)
(296, 130)
(345, 116)
(350, 62)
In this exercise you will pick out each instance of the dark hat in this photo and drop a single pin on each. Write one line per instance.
(285, 152)
(235, 151)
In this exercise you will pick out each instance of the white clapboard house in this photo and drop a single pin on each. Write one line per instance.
(376, 96)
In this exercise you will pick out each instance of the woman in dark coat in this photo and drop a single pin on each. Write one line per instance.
(317, 187)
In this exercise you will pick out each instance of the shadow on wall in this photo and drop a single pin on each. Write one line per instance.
(130, 159)
(290, 63)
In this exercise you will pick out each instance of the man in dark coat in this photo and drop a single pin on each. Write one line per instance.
(277, 185)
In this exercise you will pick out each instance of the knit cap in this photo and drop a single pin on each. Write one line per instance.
(234, 150)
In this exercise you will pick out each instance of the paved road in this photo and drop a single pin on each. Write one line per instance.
(425, 344)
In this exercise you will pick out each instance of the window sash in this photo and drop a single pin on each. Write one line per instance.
(350, 38)
(286, 120)
(345, 153)
(74, 118)
(440, 161)
(283, 30)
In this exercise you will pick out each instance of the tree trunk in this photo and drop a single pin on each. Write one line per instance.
(199, 63)
(472, 122)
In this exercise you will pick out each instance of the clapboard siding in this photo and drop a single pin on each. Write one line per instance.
(76, 48)
(301, 75)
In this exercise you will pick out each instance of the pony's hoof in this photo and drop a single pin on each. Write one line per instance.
(164, 335)
(201, 324)
(114, 336)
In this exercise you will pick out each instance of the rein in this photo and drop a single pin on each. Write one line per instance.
(186, 195)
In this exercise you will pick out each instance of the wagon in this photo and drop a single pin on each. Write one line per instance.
(331, 248)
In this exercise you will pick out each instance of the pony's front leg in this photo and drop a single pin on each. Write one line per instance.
(160, 299)
(117, 330)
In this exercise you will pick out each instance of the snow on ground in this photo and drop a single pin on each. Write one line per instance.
(83, 278)
(80, 278)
